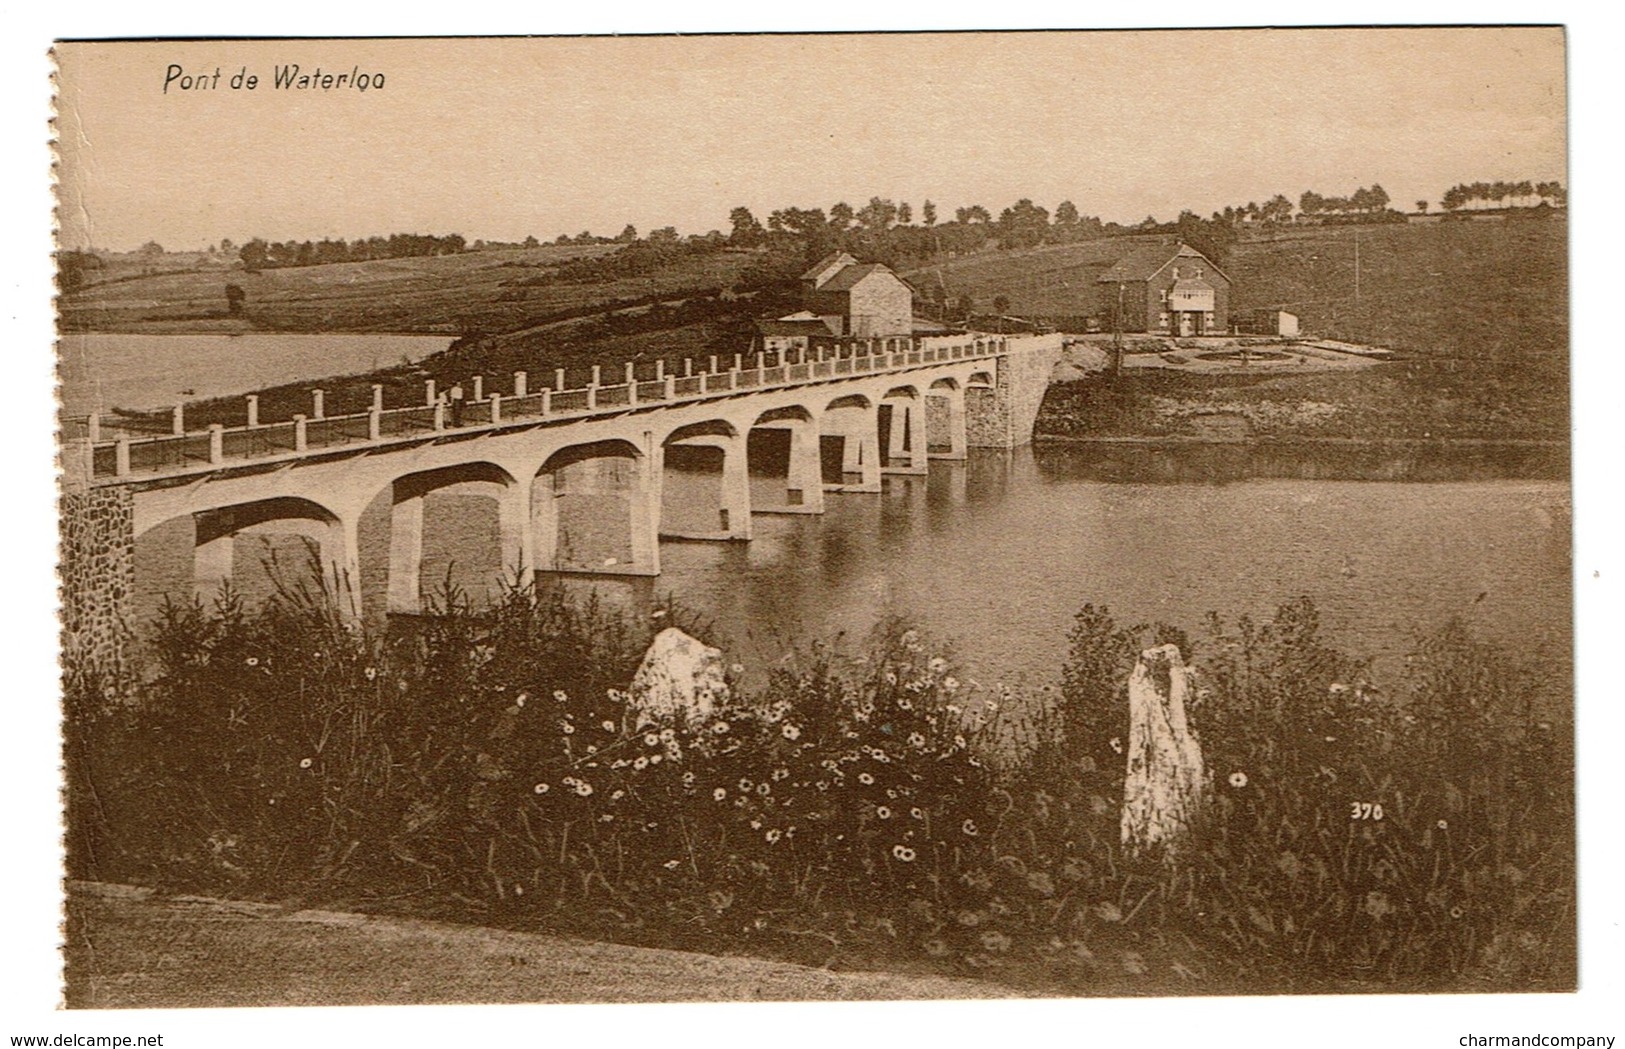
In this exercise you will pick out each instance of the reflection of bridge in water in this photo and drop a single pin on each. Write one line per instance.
(584, 481)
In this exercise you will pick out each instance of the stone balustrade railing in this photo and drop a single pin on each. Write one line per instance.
(186, 451)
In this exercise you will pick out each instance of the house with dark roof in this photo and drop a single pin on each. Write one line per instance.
(859, 300)
(1168, 288)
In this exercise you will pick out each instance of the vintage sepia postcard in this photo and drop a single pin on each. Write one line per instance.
(816, 517)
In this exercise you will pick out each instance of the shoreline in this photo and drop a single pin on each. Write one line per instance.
(1183, 440)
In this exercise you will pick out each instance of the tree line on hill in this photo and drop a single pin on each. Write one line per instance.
(1497, 194)
(259, 254)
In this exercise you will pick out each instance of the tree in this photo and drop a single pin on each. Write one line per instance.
(663, 235)
(840, 216)
(928, 213)
(629, 234)
(532, 242)
(227, 247)
(1421, 207)
(973, 214)
(877, 215)
(255, 254)
(747, 232)
(1022, 224)
(905, 214)
(151, 249)
(964, 306)
(235, 297)
(1001, 304)
(1066, 213)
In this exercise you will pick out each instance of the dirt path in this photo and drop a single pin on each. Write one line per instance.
(129, 949)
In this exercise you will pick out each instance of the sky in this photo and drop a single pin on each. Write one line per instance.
(500, 138)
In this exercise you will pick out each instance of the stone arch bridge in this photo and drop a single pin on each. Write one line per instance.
(558, 480)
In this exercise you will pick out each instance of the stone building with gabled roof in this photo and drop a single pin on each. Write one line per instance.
(1168, 288)
(859, 300)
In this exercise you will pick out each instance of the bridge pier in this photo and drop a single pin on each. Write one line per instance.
(803, 480)
(948, 406)
(905, 437)
(733, 504)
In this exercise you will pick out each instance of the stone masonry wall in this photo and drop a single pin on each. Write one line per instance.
(96, 577)
(1003, 417)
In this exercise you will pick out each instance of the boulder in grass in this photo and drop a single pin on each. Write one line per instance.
(1166, 784)
(680, 681)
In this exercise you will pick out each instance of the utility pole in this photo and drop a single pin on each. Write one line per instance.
(1356, 265)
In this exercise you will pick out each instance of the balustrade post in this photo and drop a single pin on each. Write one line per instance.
(558, 378)
(631, 373)
(217, 443)
(660, 368)
(121, 457)
(253, 409)
(93, 427)
(440, 415)
(739, 361)
(375, 423)
(597, 376)
(496, 407)
(428, 392)
(705, 382)
(671, 387)
(688, 367)
(631, 391)
(520, 379)
(177, 420)
(378, 396)
(761, 361)
(547, 401)
(592, 396)
(479, 387)
(713, 368)
(318, 404)
(299, 437)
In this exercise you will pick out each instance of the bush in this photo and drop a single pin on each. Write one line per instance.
(492, 766)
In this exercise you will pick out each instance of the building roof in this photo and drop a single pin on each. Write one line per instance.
(799, 327)
(824, 264)
(1147, 262)
(848, 278)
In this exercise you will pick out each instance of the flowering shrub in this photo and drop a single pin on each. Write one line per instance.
(493, 765)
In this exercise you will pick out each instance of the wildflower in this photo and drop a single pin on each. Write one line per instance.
(672, 865)
(640, 762)
(745, 786)
(917, 813)
(540, 788)
(937, 664)
(650, 739)
(992, 706)
(1377, 905)
(720, 793)
(903, 852)
(910, 638)
(252, 661)
(995, 941)
(780, 774)
(1238, 779)
(372, 675)
(559, 696)
(592, 748)
(654, 759)
(583, 788)
(891, 678)
(606, 818)
(720, 728)
(959, 741)
(883, 812)
(1116, 745)
(305, 764)
(755, 824)
(1443, 824)
(970, 919)
(567, 728)
(773, 836)
(1457, 912)
(865, 779)
(880, 755)
(950, 683)
(609, 726)
(737, 668)
(904, 703)
(935, 947)
(618, 795)
(791, 732)
(688, 779)
(969, 827)
(1337, 688)
(916, 740)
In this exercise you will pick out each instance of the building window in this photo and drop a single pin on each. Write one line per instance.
(1162, 319)
(1164, 294)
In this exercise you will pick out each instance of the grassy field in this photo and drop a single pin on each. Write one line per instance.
(486, 291)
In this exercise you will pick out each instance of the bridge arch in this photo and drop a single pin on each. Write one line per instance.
(944, 415)
(290, 546)
(849, 444)
(783, 457)
(595, 508)
(451, 532)
(704, 484)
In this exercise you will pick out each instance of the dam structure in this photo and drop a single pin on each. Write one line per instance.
(551, 480)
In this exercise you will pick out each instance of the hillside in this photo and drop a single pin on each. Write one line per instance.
(489, 291)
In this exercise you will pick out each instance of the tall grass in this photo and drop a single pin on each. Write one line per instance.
(861, 804)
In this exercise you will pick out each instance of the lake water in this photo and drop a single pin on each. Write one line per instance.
(101, 371)
(998, 554)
